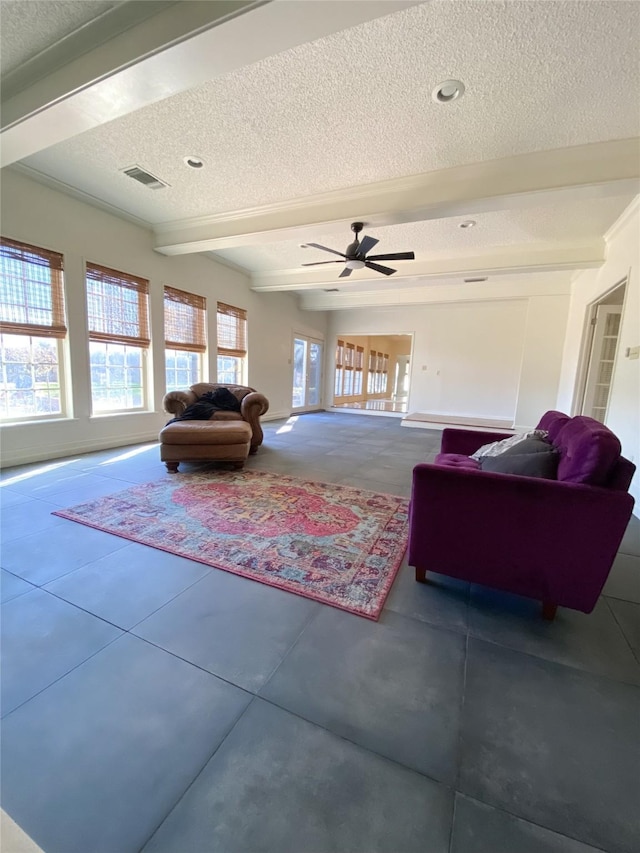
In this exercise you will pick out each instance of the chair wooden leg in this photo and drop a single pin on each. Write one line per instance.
(549, 610)
(421, 575)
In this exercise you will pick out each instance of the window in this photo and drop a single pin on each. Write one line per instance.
(371, 376)
(32, 328)
(232, 343)
(359, 367)
(184, 337)
(339, 378)
(118, 318)
(348, 369)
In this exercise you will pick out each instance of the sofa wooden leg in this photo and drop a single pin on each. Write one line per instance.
(172, 467)
(237, 465)
(549, 610)
(421, 575)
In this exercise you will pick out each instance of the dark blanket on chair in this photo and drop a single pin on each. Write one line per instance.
(219, 400)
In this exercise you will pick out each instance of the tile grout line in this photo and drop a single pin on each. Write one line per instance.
(380, 755)
(532, 822)
(312, 617)
(461, 711)
(200, 772)
(633, 684)
(64, 675)
(622, 631)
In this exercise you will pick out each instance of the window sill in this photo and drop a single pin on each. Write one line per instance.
(36, 422)
(136, 413)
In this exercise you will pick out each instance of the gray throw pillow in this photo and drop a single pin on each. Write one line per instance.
(541, 462)
(534, 444)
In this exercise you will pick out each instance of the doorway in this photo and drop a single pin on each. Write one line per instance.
(307, 374)
(372, 373)
(600, 353)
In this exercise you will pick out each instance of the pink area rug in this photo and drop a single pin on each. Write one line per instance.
(336, 544)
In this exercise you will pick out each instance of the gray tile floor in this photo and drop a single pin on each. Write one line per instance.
(151, 703)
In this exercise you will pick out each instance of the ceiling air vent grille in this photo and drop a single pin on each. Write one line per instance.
(145, 178)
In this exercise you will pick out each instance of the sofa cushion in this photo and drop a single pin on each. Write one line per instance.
(496, 448)
(552, 422)
(588, 451)
(457, 460)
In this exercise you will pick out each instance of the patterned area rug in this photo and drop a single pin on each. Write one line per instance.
(336, 544)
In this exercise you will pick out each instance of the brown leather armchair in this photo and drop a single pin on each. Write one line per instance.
(252, 406)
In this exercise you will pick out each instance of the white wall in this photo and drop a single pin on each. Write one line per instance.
(489, 359)
(41, 216)
(623, 261)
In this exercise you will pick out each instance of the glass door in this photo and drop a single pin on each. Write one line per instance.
(307, 373)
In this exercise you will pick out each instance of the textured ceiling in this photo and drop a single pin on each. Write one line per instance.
(563, 224)
(30, 27)
(356, 107)
(353, 109)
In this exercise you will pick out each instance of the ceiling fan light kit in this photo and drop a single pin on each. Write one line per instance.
(356, 256)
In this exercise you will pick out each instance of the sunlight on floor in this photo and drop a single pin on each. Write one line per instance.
(288, 426)
(129, 454)
(34, 472)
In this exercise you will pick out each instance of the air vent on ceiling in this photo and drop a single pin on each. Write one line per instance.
(145, 178)
(473, 280)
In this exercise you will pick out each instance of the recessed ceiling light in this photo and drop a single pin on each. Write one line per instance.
(193, 161)
(448, 91)
(468, 223)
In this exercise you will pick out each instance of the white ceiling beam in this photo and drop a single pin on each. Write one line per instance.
(438, 293)
(180, 47)
(497, 262)
(581, 172)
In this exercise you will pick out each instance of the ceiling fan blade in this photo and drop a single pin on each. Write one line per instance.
(345, 272)
(325, 249)
(319, 263)
(394, 256)
(366, 244)
(378, 268)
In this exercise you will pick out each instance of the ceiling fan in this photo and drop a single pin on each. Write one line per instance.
(356, 255)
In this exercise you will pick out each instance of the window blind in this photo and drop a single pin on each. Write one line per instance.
(117, 306)
(232, 331)
(31, 290)
(184, 320)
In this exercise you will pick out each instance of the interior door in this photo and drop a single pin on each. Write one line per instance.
(601, 361)
(307, 373)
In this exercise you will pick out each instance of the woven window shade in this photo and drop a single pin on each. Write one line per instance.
(184, 320)
(232, 331)
(31, 290)
(117, 306)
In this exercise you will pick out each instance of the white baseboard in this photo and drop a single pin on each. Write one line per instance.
(275, 416)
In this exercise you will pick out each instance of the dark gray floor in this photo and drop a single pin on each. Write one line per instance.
(151, 703)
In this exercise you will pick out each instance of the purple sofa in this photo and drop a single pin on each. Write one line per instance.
(551, 540)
